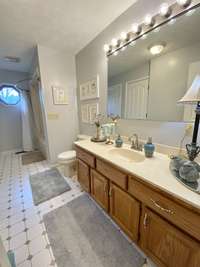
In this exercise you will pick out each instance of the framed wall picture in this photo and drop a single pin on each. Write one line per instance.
(84, 113)
(90, 89)
(93, 110)
(59, 96)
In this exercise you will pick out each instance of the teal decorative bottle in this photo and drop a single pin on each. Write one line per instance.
(118, 141)
(149, 148)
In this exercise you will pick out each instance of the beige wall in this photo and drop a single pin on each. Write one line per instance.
(92, 60)
(10, 116)
(171, 83)
(58, 69)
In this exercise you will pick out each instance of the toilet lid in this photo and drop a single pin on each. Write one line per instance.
(67, 155)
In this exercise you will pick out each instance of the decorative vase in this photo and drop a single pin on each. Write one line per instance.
(149, 148)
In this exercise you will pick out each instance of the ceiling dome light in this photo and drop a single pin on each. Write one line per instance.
(106, 48)
(149, 20)
(156, 48)
(136, 28)
(165, 10)
(114, 42)
(183, 3)
(124, 36)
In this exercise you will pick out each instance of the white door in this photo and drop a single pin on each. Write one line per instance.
(136, 99)
(189, 110)
(115, 99)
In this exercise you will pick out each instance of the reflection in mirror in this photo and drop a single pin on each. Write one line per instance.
(146, 80)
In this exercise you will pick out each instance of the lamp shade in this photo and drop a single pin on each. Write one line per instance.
(193, 93)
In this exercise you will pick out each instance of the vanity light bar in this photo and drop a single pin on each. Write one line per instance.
(167, 13)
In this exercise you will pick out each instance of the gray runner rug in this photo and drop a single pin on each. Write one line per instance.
(82, 236)
(48, 184)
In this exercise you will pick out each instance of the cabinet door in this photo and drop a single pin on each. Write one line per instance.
(83, 171)
(125, 210)
(167, 245)
(99, 189)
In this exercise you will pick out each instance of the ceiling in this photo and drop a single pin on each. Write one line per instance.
(66, 25)
(183, 33)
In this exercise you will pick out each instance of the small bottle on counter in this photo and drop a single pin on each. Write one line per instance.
(118, 141)
(149, 148)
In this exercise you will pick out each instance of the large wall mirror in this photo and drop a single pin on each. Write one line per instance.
(146, 80)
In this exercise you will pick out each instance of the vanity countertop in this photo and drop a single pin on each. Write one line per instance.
(152, 170)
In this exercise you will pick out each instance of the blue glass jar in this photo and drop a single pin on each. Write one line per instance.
(149, 148)
(119, 141)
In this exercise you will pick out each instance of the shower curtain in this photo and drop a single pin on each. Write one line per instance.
(27, 120)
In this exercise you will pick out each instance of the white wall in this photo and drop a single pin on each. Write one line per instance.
(10, 116)
(58, 69)
(92, 60)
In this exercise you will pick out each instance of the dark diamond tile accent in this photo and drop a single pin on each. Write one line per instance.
(9, 238)
(29, 257)
(51, 206)
(25, 230)
(9, 208)
(23, 210)
(38, 212)
(8, 217)
(41, 222)
(8, 227)
(27, 242)
(24, 219)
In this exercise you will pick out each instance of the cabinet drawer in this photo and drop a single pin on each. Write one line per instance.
(180, 216)
(86, 157)
(112, 173)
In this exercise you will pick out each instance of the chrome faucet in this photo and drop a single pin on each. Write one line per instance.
(135, 144)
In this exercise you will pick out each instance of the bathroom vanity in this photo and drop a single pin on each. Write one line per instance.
(141, 195)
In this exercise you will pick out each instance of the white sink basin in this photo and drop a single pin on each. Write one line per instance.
(127, 155)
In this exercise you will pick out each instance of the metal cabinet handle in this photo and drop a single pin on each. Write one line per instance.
(161, 208)
(145, 221)
(110, 192)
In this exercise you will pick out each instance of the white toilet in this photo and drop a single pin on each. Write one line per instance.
(67, 159)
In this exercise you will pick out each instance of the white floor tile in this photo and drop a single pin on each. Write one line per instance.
(21, 254)
(18, 241)
(36, 245)
(42, 259)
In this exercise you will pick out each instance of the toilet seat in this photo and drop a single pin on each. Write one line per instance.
(67, 155)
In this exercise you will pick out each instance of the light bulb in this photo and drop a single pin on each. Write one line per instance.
(106, 47)
(149, 20)
(144, 36)
(165, 10)
(123, 48)
(136, 28)
(123, 36)
(156, 49)
(183, 3)
(116, 53)
(114, 42)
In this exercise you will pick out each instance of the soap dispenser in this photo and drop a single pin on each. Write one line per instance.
(149, 148)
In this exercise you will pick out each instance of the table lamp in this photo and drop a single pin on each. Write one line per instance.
(192, 97)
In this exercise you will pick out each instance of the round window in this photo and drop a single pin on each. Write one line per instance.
(9, 95)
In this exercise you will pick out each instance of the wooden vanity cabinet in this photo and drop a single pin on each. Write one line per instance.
(125, 210)
(99, 189)
(166, 228)
(165, 244)
(83, 173)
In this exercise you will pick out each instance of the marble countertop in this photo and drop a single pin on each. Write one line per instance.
(152, 170)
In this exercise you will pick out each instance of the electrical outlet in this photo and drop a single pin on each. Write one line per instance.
(189, 129)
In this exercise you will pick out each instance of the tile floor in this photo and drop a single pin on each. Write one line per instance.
(21, 226)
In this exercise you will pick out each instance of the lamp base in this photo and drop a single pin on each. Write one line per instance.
(192, 151)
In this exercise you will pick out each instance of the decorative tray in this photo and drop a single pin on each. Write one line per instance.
(194, 186)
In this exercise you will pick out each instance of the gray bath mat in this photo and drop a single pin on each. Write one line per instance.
(82, 236)
(31, 157)
(48, 184)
